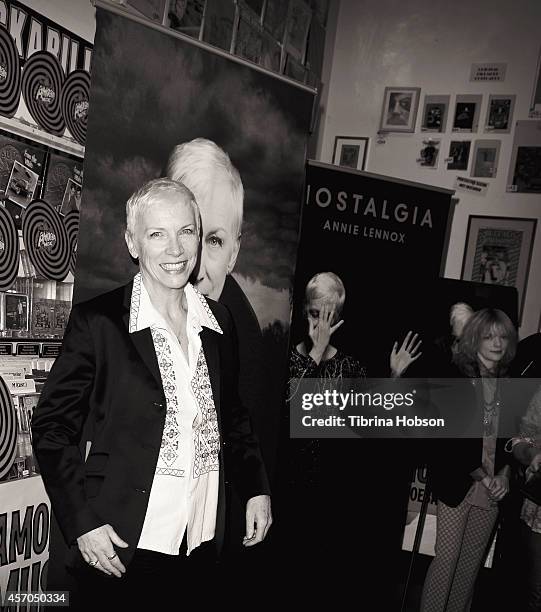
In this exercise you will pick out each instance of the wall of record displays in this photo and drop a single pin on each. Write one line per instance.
(429, 94)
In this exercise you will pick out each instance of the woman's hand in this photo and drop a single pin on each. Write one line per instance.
(402, 359)
(499, 487)
(321, 330)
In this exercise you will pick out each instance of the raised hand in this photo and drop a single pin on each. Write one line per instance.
(402, 358)
(321, 330)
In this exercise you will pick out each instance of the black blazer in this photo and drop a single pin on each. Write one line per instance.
(110, 379)
(452, 461)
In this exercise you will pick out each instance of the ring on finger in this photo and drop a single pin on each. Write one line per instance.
(112, 556)
(93, 563)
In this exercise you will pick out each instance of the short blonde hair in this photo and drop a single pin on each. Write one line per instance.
(150, 193)
(326, 285)
(200, 161)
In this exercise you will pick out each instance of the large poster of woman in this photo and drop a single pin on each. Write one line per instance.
(158, 101)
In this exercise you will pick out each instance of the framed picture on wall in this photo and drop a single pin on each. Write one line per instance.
(350, 152)
(435, 113)
(467, 111)
(399, 111)
(525, 167)
(500, 114)
(459, 151)
(498, 252)
(485, 158)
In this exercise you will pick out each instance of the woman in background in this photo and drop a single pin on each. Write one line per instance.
(470, 476)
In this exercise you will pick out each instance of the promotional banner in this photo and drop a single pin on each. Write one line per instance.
(45, 71)
(24, 536)
(385, 239)
(174, 92)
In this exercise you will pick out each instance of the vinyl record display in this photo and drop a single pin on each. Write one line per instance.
(75, 97)
(42, 91)
(71, 221)
(10, 75)
(9, 250)
(46, 240)
(8, 430)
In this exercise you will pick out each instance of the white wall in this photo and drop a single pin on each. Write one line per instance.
(432, 45)
(78, 16)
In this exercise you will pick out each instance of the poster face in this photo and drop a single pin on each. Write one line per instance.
(179, 93)
(400, 109)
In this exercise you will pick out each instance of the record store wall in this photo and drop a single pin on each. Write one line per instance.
(381, 44)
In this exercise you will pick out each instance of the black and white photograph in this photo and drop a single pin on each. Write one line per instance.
(459, 150)
(466, 115)
(486, 155)
(399, 109)
(235, 235)
(22, 184)
(435, 113)
(350, 152)
(428, 157)
(500, 114)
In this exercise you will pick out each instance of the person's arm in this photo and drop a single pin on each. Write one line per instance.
(57, 426)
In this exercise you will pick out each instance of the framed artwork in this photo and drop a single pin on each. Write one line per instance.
(525, 167)
(467, 111)
(500, 114)
(435, 113)
(485, 158)
(428, 156)
(399, 111)
(459, 151)
(498, 252)
(298, 24)
(350, 152)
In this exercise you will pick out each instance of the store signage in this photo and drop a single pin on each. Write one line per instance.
(6, 348)
(488, 72)
(469, 185)
(16, 387)
(50, 349)
(12, 372)
(27, 349)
